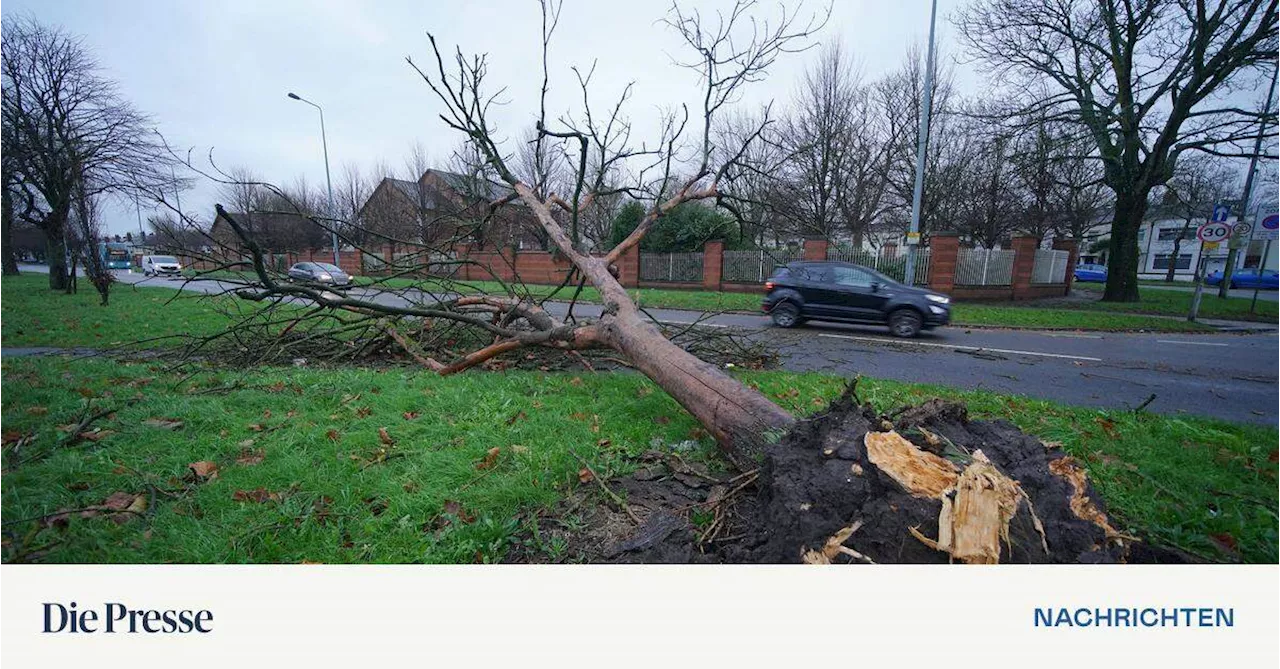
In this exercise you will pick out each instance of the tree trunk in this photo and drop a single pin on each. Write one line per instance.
(6, 242)
(1173, 260)
(740, 418)
(56, 250)
(1122, 268)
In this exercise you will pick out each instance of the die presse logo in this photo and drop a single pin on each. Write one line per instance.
(116, 618)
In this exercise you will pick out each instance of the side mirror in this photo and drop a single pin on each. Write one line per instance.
(875, 286)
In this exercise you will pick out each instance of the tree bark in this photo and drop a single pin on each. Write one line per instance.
(56, 245)
(739, 417)
(1173, 260)
(10, 255)
(1122, 269)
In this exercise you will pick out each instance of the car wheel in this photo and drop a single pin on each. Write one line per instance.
(905, 323)
(785, 315)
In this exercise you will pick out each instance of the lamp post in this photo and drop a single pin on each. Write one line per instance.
(913, 235)
(324, 142)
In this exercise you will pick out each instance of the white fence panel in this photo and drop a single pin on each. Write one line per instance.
(892, 265)
(755, 266)
(984, 267)
(674, 267)
(1050, 266)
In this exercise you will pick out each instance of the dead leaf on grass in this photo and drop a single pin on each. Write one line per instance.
(585, 475)
(385, 437)
(38, 411)
(490, 459)
(249, 458)
(203, 470)
(518, 416)
(164, 423)
(332, 434)
(97, 435)
(410, 415)
(258, 495)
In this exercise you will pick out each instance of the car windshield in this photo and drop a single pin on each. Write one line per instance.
(164, 259)
(327, 267)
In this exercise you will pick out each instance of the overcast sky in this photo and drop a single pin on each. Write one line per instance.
(215, 75)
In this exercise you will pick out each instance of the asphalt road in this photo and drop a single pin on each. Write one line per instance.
(1227, 376)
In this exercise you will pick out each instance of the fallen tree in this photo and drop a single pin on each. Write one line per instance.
(975, 503)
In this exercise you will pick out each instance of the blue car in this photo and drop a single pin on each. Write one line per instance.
(1096, 273)
(1247, 278)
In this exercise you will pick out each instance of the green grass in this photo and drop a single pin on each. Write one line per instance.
(1044, 318)
(1178, 303)
(1178, 480)
(36, 316)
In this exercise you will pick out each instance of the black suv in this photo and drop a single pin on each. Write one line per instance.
(839, 291)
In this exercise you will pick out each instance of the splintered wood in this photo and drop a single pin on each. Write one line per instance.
(977, 504)
(1081, 505)
(920, 473)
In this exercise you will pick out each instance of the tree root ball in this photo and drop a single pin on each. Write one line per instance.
(819, 497)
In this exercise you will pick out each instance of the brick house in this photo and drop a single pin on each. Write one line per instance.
(445, 208)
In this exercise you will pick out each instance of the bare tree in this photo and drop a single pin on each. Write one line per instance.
(1199, 182)
(730, 52)
(64, 124)
(1147, 80)
(817, 135)
(87, 233)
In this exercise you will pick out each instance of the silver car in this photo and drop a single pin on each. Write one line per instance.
(320, 272)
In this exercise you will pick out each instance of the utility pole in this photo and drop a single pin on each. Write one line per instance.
(913, 235)
(324, 142)
(1234, 250)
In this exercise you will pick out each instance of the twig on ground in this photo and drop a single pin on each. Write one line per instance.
(621, 503)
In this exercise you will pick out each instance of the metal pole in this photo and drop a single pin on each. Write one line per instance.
(1195, 299)
(1257, 285)
(921, 151)
(324, 142)
(1232, 253)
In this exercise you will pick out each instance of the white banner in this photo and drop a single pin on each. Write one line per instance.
(808, 617)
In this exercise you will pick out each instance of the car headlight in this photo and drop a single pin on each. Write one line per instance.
(325, 277)
(940, 299)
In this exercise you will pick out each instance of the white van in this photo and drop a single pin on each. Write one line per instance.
(160, 266)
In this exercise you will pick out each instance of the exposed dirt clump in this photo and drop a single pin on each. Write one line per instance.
(819, 497)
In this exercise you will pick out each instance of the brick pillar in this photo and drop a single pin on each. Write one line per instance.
(815, 249)
(712, 261)
(629, 267)
(359, 261)
(944, 248)
(1071, 246)
(1024, 262)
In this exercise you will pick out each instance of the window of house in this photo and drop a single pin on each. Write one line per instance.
(1161, 261)
(1170, 234)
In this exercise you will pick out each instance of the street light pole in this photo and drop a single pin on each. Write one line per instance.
(913, 236)
(324, 142)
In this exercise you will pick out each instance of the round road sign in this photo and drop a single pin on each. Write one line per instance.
(1241, 229)
(1270, 222)
(1213, 232)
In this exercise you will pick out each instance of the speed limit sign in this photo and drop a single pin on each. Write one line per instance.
(1213, 232)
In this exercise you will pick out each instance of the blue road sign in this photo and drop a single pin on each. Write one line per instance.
(1221, 213)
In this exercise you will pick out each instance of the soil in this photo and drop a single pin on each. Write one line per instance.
(816, 481)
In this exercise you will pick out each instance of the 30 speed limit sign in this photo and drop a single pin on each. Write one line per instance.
(1213, 232)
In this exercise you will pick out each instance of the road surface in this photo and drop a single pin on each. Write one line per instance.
(1227, 376)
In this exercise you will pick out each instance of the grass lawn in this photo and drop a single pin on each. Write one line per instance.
(1178, 303)
(33, 315)
(303, 473)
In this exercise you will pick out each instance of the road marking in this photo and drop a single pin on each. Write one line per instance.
(704, 325)
(1076, 336)
(964, 348)
(1193, 343)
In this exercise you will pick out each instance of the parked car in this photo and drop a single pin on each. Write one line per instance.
(1247, 278)
(160, 266)
(320, 272)
(839, 291)
(1096, 273)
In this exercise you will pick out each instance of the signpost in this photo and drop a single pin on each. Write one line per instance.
(1210, 234)
(1266, 229)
